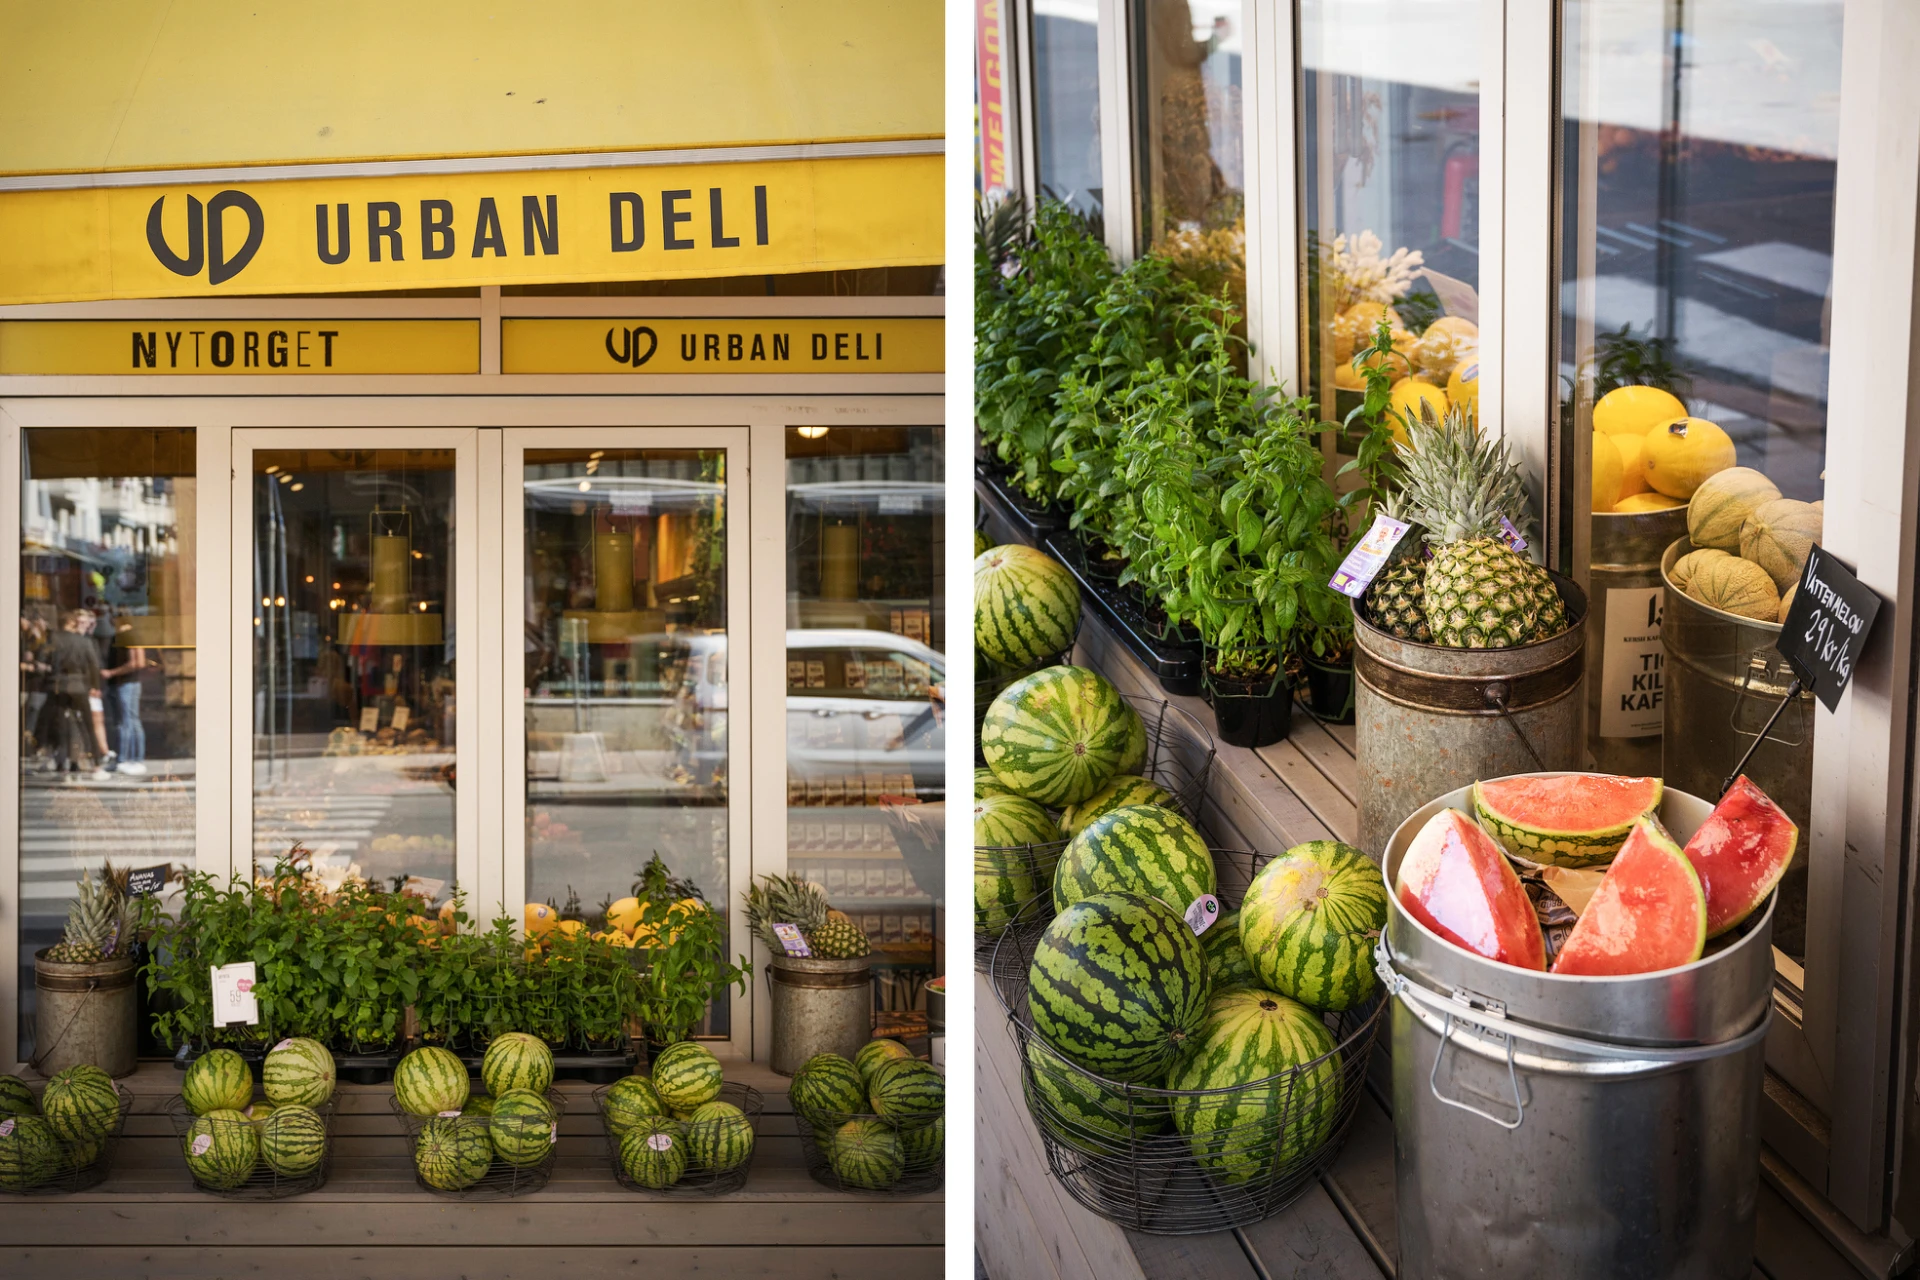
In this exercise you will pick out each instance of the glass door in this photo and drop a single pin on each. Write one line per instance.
(626, 743)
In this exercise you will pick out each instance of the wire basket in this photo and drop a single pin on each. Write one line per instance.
(1180, 754)
(701, 1177)
(76, 1166)
(1121, 1149)
(262, 1181)
(502, 1179)
(891, 1158)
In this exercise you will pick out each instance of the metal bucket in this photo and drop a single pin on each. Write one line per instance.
(1625, 656)
(1583, 1128)
(84, 1015)
(1725, 677)
(819, 1006)
(1429, 719)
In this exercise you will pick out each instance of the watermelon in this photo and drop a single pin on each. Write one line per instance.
(298, 1071)
(629, 1101)
(81, 1155)
(985, 784)
(720, 1137)
(907, 1089)
(827, 1089)
(1227, 963)
(1454, 880)
(687, 1076)
(654, 1152)
(431, 1080)
(1121, 790)
(1740, 853)
(876, 1053)
(1003, 882)
(31, 1154)
(221, 1149)
(1058, 735)
(217, 1080)
(1118, 985)
(517, 1060)
(521, 1128)
(867, 1154)
(1026, 606)
(923, 1143)
(1309, 922)
(293, 1140)
(1259, 1038)
(1083, 1111)
(1140, 849)
(453, 1153)
(1133, 756)
(82, 1105)
(478, 1104)
(258, 1111)
(1005, 871)
(1009, 822)
(16, 1099)
(1564, 819)
(1649, 913)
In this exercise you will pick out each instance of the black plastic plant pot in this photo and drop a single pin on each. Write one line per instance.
(1250, 712)
(1330, 692)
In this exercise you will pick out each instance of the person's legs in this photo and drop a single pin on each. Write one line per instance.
(133, 734)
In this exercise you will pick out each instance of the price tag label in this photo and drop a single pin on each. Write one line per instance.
(401, 715)
(1632, 663)
(370, 719)
(1367, 558)
(1511, 536)
(203, 1144)
(6, 1127)
(147, 881)
(1827, 625)
(791, 938)
(233, 997)
(1201, 914)
(553, 1134)
(660, 1141)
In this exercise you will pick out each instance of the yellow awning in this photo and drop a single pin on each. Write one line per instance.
(455, 144)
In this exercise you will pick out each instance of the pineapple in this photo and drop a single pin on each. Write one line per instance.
(97, 922)
(838, 940)
(1396, 600)
(786, 900)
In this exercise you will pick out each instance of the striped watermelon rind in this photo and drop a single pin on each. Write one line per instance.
(827, 1089)
(217, 1080)
(1014, 839)
(875, 1054)
(16, 1099)
(1140, 849)
(629, 1101)
(1265, 1085)
(298, 1071)
(81, 1104)
(922, 1144)
(31, 1154)
(985, 784)
(1309, 922)
(1133, 757)
(221, 1148)
(1026, 606)
(907, 1089)
(867, 1154)
(1058, 735)
(521, 1128)
(452, 1153)
(1118, 985)
(1087, 1113)
(431, 1080)
(653, 1154)
(516, 1060)
(293, 1140)
(1561, 846)
(719, 1137)
(1227, 963)
(1121, 791)
(687, 1076)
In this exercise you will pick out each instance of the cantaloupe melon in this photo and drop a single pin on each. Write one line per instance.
(1407, 398)
(1689, 564)
(1633, 472)
(1644, 501)
(1786, 601)
(1778, 536)
(1736, 586)
(1635, 410)
(1606, 472)
(1722, 504)
(1679, 456)
(1447, 342)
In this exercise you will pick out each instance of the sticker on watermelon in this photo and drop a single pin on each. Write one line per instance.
(1201, 914)
(284, 1044)
(203, 1144)
(448, 1115)
(6, 1127)
(660, 1141)
(1740, 852)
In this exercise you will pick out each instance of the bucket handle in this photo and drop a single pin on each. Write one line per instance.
(1433, 1085)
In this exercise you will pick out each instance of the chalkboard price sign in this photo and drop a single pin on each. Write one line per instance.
(1827, 625)
(147, 880)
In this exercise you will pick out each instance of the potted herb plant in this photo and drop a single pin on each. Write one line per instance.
(823, 1001)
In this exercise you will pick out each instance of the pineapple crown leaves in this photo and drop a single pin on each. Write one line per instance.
(778, 899)
(1457, 484)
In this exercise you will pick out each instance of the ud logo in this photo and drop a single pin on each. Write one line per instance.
(629, 352)
(206, 239)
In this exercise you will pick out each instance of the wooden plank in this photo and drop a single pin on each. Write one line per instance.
(1308, 1240)
(1334, 808)
(1788, 1247)
(1363, 1186)
(525, 1262)
(1217, 1255)
(1315, 741)
(1006, 1238)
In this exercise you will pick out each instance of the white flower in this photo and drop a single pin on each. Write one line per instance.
(1353, 271)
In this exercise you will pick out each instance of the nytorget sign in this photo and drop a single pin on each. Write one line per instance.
(229, 347)
(422, 230)
(833, 344)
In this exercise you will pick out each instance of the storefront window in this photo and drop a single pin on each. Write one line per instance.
(1066, 102)
(626, 678)
(1391, 163)
(353, 665)
(106, 668)
(866, 667)
(1696, 289)
(1191, 182)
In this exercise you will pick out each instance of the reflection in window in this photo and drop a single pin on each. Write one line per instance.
(107, 547)
(866, 640)
(1188, 116)
(1066, 102)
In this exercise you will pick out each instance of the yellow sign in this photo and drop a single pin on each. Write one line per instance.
(238, 346)
(410, 231)
(837, 344)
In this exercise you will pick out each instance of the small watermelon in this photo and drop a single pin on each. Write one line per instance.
(517, 1060)
(1120, 792)
(453, 1153)
(876, 1053)
(1564, 819)
(1250, 1134)
(1133, 756)
(1649, 913)
(31, 1154)
(687, 1076)
(1454, 880)
(82, 1105)
(1083, 1111)
(478, 1104)
(629, 1101)
(1026, 606)
(923, 1143)
(1309, 923)
(826, 1090)
(867, 1154)
(522, 1128)
(1140, 849)
(1227, 963)
(431, 1080)
(299, 1071)
(985, 784)
(654, 1152)
(1012, 840)
(293, 1140)
(16, 1099)
(1058, 735)
(907, 1089)
(217, 1080)
(258, 1111)
(1740, 852)
(720, 1137)
(221, 1149)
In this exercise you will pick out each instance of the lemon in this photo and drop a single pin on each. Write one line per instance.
(540, 919)
(1680, 455)
(1633, 410)
(1405, 400)
(1463, 387)
(1645, 502)
(1347, 378)
(1633, 470)
(1606, 472)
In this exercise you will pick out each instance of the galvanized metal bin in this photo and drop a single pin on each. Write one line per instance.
(819, 1006)
(84, 1015)
(1725, 677)
(1625, 656)
(1428, 719)
(1580, 1128)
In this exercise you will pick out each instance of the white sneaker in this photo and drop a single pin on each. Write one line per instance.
(133, 767)
(99, 775)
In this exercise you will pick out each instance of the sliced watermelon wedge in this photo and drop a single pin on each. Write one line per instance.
(1564, 819)
(1650, 912)
(1456, 882)
(1741, 851)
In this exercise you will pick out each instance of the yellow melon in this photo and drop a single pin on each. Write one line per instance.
(1644, 501)
(1786, 601)
(1447, 342)
(1687, 565)
(1722, 504)
(1633, 471)
(1407, 398)
(1606, 473)
(540, 919)
(1347, 378)
(1633, 411)
(1463, 387)
(571, 928)
(1679, 456)
(1353, 328)
(1778, 536)
(1736, 586)
(624, 914)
